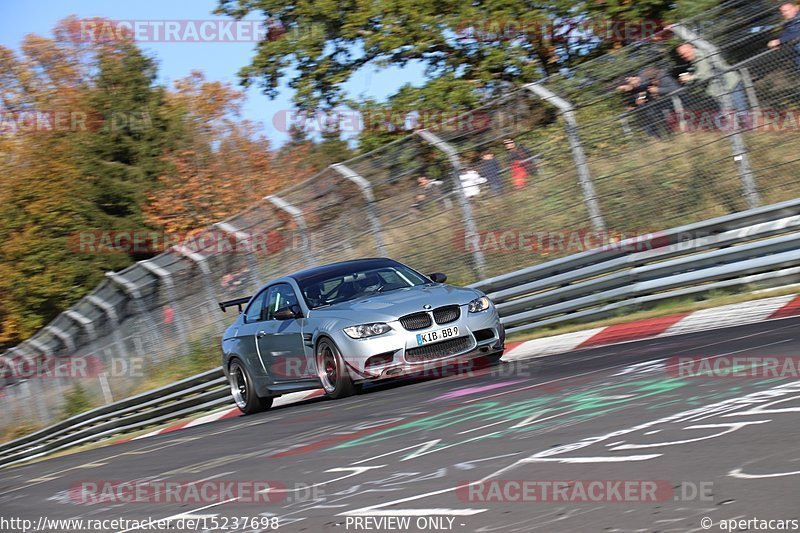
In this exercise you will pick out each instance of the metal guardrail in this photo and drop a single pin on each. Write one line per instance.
(760, 246)
(189, 396)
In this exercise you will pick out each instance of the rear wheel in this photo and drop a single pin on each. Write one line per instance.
(243, 391)
(332, 371)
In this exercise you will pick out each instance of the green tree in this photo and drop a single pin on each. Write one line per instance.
(123, 158)
(492, 43)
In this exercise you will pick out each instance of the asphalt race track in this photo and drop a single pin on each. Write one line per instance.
(461, 453)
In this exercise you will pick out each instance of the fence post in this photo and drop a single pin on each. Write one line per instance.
(677, 105)
(584, 175)
(750, 89)
(466, 209)
(739, 148)
(295, 213)
(366, 190)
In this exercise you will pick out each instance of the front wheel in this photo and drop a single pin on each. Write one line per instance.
(332, 371)
(243, 391)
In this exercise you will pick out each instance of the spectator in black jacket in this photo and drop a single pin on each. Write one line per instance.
(490, 169)
(649, 97)
(660, 85)
(791, 29)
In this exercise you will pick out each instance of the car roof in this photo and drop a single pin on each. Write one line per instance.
(345, 267)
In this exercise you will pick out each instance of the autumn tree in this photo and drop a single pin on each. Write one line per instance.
(50, 193)
(222, 164)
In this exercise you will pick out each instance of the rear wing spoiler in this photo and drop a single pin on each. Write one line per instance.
(230, 303)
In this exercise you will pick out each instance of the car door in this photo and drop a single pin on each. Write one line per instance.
(246, 345)
(281, 344)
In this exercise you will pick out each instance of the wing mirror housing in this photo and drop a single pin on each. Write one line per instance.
(438, 277)
(288, 313)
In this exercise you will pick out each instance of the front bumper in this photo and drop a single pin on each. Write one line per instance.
(398, 353)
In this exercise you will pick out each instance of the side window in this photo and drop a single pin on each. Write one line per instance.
(253, 311)
(390, 277)
(280, 296)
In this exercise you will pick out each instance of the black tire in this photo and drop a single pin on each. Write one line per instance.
(332, 371)
(243, 391)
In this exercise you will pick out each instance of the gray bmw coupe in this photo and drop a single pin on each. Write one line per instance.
(340, 325)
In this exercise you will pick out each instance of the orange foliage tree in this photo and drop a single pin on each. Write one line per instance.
(223, 164)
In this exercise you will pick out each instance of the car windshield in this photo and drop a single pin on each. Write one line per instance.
(342, 284)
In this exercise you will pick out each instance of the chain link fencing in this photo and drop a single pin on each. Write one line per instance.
(648, 137)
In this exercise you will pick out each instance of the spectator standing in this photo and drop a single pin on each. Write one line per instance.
(520, 162)
(471, 183)
(490, 169)
(429, 190)
(658, 101)
(636, 92)
(718, 85)
(791, 29)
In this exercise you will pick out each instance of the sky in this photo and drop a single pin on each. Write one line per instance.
(220, 61)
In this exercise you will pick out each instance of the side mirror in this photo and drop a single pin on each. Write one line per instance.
(288, 313)
(438, 277)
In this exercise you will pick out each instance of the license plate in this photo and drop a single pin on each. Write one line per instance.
(437, 335)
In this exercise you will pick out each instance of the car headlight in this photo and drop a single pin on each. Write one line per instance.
(367, 330)
(479, 304)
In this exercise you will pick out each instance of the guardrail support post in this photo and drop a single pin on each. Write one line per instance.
(83, 321)
(132, 291)
(62, 335)
(584, 174)
(295, 213)
(201, 261)
(740, 153)
(38, 346)
(166, 278)
(113, 318)
(366, 190)
(242, 237)
(466, 208)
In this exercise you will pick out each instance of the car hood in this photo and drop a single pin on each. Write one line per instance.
(399, 302)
